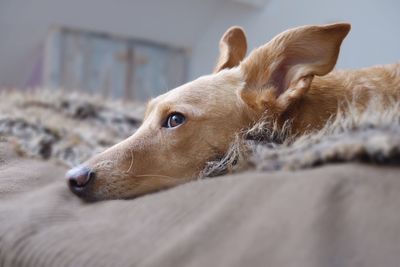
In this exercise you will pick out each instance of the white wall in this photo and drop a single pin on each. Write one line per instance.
(374, 38)
(24, 24)
(194, 24)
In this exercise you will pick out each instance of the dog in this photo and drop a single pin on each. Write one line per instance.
(288, 78)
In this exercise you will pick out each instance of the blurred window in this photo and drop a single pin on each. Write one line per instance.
(111, 66)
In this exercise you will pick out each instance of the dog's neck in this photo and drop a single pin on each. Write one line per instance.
(339, 89)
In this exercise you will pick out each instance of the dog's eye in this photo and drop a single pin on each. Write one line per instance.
(174, 120)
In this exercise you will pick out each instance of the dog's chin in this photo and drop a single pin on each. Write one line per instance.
(85, 193)
(92, 194)
(91, 197)
(110, 190)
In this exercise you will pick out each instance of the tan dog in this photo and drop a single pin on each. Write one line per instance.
(285, 79)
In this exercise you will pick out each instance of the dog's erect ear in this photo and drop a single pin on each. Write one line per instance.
(282, 70)
(232, 49)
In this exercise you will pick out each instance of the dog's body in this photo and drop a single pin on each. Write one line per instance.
(329, 92)
(285, 80)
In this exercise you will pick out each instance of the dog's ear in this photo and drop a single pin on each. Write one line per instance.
(232, 48)
(282, 70)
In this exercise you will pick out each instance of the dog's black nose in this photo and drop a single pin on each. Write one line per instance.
(79, 177)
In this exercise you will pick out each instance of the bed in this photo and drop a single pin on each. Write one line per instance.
(341, 211)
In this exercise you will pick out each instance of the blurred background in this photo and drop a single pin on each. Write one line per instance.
(136, 49)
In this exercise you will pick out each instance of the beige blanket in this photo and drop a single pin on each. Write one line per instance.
(335, 215)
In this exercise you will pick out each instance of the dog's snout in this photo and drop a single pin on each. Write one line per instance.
(79, 177)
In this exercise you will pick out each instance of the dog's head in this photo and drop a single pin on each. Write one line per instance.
(196, 122)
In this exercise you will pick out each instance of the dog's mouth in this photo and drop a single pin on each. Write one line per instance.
(91, 187)
(85, 193)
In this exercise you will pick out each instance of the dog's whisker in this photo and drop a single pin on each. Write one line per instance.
(130, 167)
(157, 175)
